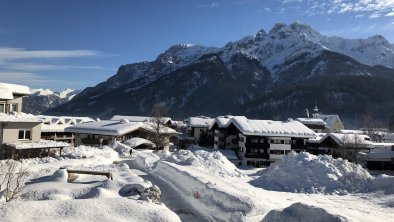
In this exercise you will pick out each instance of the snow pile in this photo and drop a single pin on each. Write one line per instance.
(302, 212)
(213, 162)
(89, 152)
(207, 195)
(308, 173)
(121, 149)
(49, 196)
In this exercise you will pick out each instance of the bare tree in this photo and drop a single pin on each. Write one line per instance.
(158, 113)
(13, 175)
(351, 143)
(372, 128)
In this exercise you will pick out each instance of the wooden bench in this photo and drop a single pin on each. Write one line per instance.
(71, 174)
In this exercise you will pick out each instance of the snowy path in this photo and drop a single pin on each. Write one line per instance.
(169, 197)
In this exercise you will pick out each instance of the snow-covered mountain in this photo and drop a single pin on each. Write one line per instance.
(238, 74)
(40, 100)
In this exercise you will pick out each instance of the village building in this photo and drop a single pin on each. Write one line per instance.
(389, 138)
(315, 124)
(199, 125)
(105, 132)
(259, 142)
(381, 159)
(53, 127)
(341, 145)
(165, 120)
(20, 133)
(333, 122)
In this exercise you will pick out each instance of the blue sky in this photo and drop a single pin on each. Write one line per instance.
(60, 44)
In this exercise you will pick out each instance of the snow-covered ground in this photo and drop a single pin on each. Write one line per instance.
(302, 187)
(49, 197)
(199, 185)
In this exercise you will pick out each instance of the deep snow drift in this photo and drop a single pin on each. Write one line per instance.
(211, 187)
(307, 173)
(50, 196)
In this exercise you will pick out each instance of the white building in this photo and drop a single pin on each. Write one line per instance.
(105, 132)
(259, 142)
(197, 125)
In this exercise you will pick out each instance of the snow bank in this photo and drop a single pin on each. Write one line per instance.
(121, 149)
(89, 152)
(212, 162)
(100, 209)
(302, 212)
(197, 176)
(207, 195)
(308, 173)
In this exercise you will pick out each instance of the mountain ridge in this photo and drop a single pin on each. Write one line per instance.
(242, 71)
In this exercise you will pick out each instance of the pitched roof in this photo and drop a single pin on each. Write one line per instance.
(330, 119)
(105, 127)
(114, 128)
(15, 89)
(199, 121)
(311, 121)
(138, 118)
(266, 127)
(342, 138)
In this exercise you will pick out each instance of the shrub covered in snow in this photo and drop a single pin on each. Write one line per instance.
(308, 173)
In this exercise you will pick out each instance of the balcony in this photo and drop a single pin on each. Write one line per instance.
(257, 155)
(93, 141)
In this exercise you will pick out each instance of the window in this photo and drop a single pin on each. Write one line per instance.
(287, 141)
(13, 107)
(241, 139)
(277, 152)
(24, 135)
(261, 140)
(2, 108)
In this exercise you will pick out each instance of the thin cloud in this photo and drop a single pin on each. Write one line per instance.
(25, 78)
(375, 15)
(20, 53)
(40, 67)
(390, 13)
(344, 6)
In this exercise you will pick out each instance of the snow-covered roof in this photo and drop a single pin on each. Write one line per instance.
(385, 154)
(330, 119)
(199, 121)
(113, 128)
(68, 120)
(137, 141)
(224, 121)
(311, 121)
(318, 137)
(105, 127)
(38, 145)
(18, 117)
(138, 118)
(351, 131)
(6, 94)
(266, 127)
(342, 138)
(15, 89)
(389, 137)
